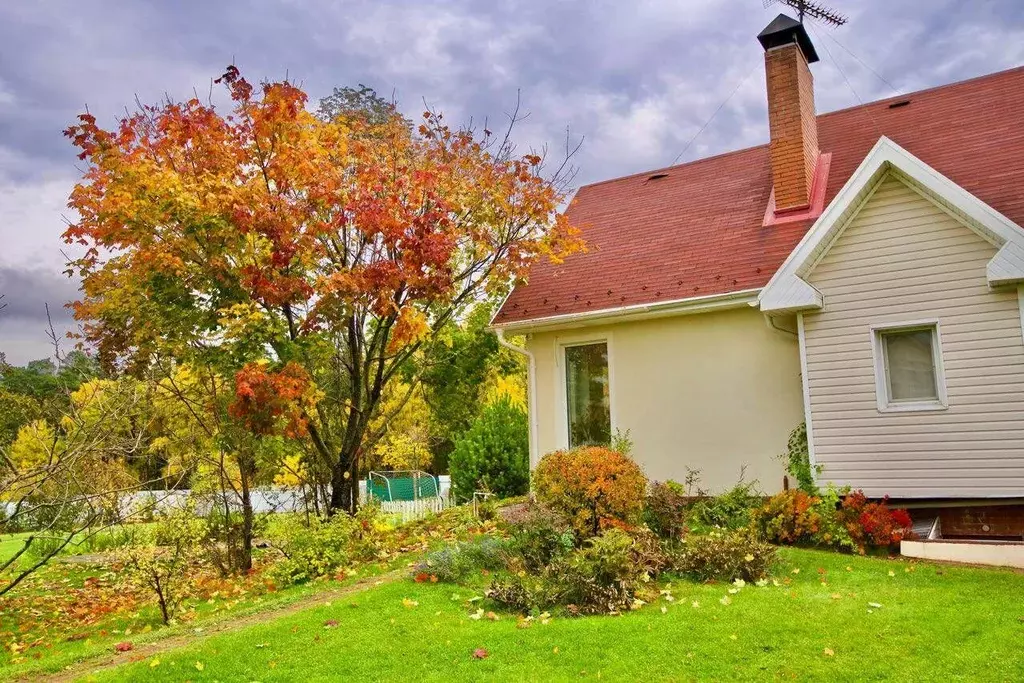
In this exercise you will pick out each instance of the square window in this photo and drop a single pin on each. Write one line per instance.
(909, 368)
(588, 398)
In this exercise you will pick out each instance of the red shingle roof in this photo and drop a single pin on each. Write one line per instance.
(698, 231)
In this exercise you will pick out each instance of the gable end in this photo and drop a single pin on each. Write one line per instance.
(789, 292)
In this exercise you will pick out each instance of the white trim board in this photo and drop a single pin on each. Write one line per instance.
(789, 292)
(657, 309)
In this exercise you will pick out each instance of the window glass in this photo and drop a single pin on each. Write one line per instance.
(587, 393)
(910, 365)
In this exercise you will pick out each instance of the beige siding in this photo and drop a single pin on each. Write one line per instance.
(714, 392)
(903, 259)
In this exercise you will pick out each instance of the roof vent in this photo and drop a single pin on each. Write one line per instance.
(897, 105)
(657, 176)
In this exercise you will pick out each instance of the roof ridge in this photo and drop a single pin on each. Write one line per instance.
(934, 88)
(865, 105)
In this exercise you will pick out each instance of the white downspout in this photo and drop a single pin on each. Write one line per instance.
(531, 400)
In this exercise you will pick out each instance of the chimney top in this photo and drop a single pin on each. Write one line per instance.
(785, 31)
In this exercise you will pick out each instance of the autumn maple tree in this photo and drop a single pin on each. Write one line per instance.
(300, 255)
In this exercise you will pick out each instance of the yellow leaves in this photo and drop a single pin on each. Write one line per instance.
(512, 387)
(829, 652)
(154, 663)
(409, 604)
(410, 328)
(292, 472)
(32, 445)
(199, 666)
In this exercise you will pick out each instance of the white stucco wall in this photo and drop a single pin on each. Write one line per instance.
(709, 391)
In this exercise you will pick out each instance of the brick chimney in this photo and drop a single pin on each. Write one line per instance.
(791, 118)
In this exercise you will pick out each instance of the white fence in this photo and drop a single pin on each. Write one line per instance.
(408, 510)
(284, 500)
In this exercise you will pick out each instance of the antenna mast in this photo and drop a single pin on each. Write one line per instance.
(813, 10)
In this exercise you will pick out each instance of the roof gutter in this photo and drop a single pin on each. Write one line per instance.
(697, 304)
(531, 400)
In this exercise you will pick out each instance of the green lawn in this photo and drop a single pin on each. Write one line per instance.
(934, 623)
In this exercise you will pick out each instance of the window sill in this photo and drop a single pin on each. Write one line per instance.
(915, 407)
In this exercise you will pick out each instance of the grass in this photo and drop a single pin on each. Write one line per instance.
(63, 646)
(935, 622)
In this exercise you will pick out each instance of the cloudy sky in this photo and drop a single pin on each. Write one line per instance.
(636, 79)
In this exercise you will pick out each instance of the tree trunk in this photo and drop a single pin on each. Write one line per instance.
(345, 484)
(245, 556)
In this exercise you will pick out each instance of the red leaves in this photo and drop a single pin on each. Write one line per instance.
(481, 653)
(875, 524)
(123, 647)
(269, 402)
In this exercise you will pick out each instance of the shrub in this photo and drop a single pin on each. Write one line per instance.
(724, 556)
(791, 517)
(494, 454)
(798, 460)
(665, 511)
(167, 570)
(851, 522)
(324, 545)
(457, 562)
(874, 523)
(596, 488)
(604, 575)
(730, 510)
(538, 538)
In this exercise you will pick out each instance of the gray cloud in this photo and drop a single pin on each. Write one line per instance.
(638, 79)
(27, 292)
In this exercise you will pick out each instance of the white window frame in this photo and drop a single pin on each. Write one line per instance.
(885, 404)
(562, 342)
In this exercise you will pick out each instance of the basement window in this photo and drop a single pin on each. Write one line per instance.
(908, 367)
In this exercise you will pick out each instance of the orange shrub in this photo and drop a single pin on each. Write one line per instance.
(595, 487)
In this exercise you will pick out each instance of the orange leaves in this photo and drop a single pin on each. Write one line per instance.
(270, 402)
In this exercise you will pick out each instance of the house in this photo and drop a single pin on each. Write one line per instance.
(863, 273)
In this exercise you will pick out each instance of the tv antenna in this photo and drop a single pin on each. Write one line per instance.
(811, 9)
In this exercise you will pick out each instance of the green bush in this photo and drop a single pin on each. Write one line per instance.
(730, 510)
(494, 454)
(538, 538)
(724, 556)
(458, 562)
(665, 511)
(604, 575)
(325, 545)
(595, 488)
(798, 460)
(167, 570)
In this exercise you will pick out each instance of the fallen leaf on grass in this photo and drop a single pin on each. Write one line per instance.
(492, 616)
(330, 623)
(123, 647)
(477, 615)
(892, 573)
(829, 652)
(409, 603)
(200, 666)
(480, 653)
(876, 605)
(154, 663)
